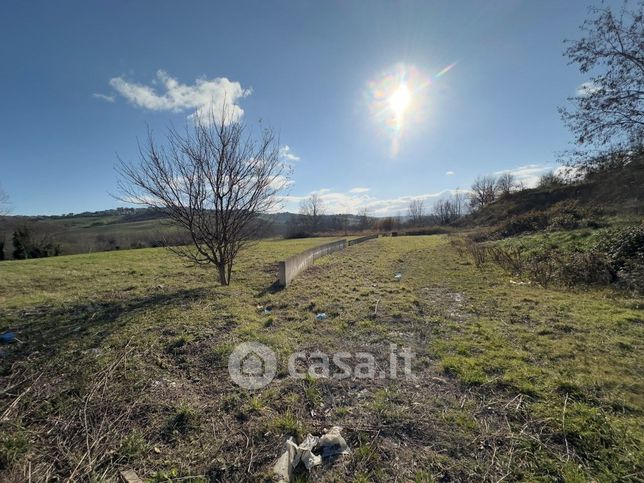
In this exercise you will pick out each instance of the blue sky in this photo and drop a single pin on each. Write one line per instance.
(81, 80)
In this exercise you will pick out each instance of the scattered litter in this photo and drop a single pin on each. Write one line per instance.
(305, 453)
(157, 450)
(517, 283)
(333, 444)
(283, 468)
(320, 316)
(329, 445)
(268, 310)
(7, 337)
(129, 476)
(398, 276)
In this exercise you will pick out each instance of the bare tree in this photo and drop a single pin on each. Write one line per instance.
(214, 181)
(312, 208)
(484, 191)
(416, 211)
(549, 180)
(506, 183)
(363, 217)
(447, 211)
(608, 110)
(459, 203)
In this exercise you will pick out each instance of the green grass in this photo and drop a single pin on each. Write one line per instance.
(129, 350)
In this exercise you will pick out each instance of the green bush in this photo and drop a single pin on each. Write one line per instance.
(623, 246)
(532, 221)
(27, 245)
(624, 249)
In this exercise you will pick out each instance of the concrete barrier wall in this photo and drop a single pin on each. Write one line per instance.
(289, 268)
(362, 239)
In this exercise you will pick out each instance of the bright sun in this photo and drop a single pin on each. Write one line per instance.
(399, 101)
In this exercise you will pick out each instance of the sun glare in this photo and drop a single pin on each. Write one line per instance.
(399, 101)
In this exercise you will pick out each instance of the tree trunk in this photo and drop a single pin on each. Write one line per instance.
(222, 274)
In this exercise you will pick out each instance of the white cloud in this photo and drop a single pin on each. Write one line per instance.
(287, 154)
(528, 175)
(358, 189)
(586, 89)
(105, 97)
(570, 173)
(205, 96)
(449, 173)
(352, 202)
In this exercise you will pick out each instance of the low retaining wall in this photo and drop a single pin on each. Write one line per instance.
(355, 241)
(290, 267)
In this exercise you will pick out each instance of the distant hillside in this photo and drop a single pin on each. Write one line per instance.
(124, 228)
(611, 195)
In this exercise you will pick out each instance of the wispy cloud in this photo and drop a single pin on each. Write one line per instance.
(449, 173)
(105, 97)
(287, 154)
(206, 96)
(358, 189)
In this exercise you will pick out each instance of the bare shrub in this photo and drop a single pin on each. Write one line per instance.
(510, 258)
(478, 252)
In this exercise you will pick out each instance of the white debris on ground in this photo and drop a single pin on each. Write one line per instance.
(329, 445)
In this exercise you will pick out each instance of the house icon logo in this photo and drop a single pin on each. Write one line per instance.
(252, 365)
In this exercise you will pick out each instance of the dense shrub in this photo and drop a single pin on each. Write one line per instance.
(566, 215)
(584, 268)
(298, 234)
(624, 250)
(623, 245)
(26, 244)
(528, 222)
(617, 259)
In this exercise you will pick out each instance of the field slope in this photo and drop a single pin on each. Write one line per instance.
(121, 363)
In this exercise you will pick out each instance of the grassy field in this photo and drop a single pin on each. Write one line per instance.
(122, 364)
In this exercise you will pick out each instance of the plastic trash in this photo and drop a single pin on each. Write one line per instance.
(398, 276)
(283, 467)
(333, 444)
(320, 316)
(7, 337)
(305, 453)
(329, 445)
(268, 310)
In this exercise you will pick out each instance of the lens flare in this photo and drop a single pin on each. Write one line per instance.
(398, 99)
